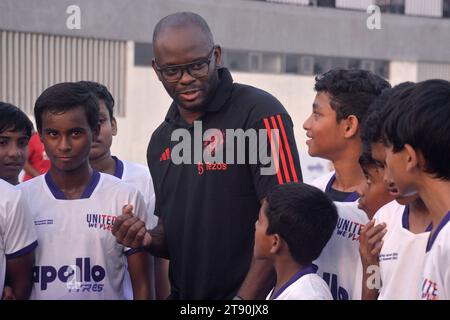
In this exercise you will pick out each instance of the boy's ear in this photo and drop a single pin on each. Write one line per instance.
(114, 126)
(351, 124)
(276, 244)
(414, 159)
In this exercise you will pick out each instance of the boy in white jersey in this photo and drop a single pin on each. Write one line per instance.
(388, 272)
(294, 224)
(138, 175)
(417, 159)
(74, 206)
(15, 132)
(17, 243)
(343, 97)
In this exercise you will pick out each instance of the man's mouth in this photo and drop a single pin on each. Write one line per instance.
(189, 95)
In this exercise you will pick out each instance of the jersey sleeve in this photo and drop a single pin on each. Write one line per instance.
(278, 160)
(20, 237)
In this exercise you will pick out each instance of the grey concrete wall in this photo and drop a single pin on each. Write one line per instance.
(242, 24)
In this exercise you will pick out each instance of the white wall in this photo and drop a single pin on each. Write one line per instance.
(433, 71)
(401, 71)
(431, 8)
(294, 92)
(146, 106)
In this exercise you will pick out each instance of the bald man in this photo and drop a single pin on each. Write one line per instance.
(207, 207)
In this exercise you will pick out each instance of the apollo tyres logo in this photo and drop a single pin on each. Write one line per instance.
(80, 277)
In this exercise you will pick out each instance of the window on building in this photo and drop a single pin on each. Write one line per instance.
(237, 60)
(272, 62)
(292, 63)
(31, 62)
(391, 6)
(297, 64)
(307, 65)
(354, 63)
(323, 3)
(143, 54)
(322, 64)
(255, 59)
(446, 8)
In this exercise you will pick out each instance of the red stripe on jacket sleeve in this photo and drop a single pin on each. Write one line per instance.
(280, 178)
(288, 149)
(282, 156)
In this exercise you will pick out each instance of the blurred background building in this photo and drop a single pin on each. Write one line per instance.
(277, 45)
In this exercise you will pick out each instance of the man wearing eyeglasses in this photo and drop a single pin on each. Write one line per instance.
(207, 211)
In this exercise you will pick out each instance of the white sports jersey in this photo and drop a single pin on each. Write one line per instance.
(325, 184)
(78, 256)
(304, 285)
(436, 275)
(340, 263)
(322, 182)
(138, 176)
(17, 234)
(402, 255)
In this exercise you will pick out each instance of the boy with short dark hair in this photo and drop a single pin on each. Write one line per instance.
(295, 222)
(15, 132)
(341, 103)
(372, 192)
(74, 206)
(417, 158)
(401, 226)
(17, 236)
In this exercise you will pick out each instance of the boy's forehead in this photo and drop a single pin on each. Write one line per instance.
(12, 131)
(322, 101)
(74, 117)
(102, 106)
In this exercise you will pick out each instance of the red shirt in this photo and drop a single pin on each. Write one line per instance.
(37, 157)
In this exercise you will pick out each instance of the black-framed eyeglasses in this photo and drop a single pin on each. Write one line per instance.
(197, 69)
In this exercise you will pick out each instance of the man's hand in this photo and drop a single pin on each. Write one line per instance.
(371, 242)
(131, 231)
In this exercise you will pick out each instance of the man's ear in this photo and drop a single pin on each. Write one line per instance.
(351, 126)
(413, 159)
(218, 56)
(156, 69)
(113, 126)
(276, 244)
